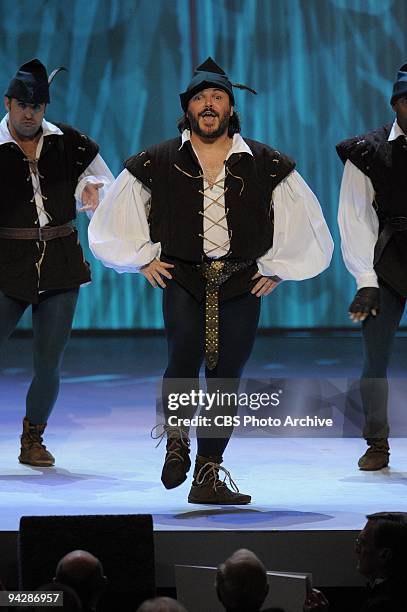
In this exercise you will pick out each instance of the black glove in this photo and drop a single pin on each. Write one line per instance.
(366, 300)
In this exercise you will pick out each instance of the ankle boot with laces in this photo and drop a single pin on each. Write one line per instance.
(208, 488)
(177, 462)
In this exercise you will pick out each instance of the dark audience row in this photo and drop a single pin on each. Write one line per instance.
(241, 581)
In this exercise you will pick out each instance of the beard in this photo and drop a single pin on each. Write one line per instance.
(210, 133)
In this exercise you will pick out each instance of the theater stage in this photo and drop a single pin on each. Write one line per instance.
(309, 498)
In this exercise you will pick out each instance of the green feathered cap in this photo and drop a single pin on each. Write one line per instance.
(209, 74)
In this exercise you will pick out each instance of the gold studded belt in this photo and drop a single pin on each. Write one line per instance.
(36, 233)
(216, 273)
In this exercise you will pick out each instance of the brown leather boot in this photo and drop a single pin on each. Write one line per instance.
(377, 455)
(177, 462)
(33, 451)
(207, 488)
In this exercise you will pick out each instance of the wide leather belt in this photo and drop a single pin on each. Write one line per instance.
(391, 225)
(36, 233)
(216, 273)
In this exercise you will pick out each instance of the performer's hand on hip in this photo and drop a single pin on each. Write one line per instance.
(155, 270)
(90, 196)
(264, 286)
(365, 302)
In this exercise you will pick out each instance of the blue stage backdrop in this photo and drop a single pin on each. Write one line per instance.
(323, 70)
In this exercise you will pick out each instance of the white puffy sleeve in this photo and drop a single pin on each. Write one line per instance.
(358, 225)
(118, 232)
(302, 244)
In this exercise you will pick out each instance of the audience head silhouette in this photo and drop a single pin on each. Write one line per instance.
(161, 604)
(381, 547)
(241, 582)
(84, 573)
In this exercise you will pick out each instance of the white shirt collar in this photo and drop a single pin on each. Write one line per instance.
(48, 129)
(396, 131)
(238, 144)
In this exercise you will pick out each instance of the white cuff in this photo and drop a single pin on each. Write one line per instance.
(368, 279)
(265, 270)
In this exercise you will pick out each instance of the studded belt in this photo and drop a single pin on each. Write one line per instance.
(216, 273)
(36, 233)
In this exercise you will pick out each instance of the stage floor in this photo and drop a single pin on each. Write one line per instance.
(108, 464)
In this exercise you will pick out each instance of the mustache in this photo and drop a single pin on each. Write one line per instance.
(208, 112)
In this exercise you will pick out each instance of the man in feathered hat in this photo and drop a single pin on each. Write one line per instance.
(373, 224)
(213, 200)
(44, 169)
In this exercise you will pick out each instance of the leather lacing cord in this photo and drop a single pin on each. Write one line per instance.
(211, 470)
(176, 434)
(213, 222)
(215, 202)
(33, 167)
(42, 246)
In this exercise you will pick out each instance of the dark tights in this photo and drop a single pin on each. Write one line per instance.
(52, 322)
(184, 320)
(378, 335)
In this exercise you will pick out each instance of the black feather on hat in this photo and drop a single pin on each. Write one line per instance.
(209, 74)
(31, 83)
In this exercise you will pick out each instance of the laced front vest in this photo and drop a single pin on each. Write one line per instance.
(178, 208)
(27, 266)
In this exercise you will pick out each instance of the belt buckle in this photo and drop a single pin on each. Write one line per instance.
(217, 265)
(214, 269)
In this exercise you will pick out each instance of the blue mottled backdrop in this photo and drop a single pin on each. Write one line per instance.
(323, 69)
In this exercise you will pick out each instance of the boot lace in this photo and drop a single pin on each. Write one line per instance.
(210, 471)
(177, 441)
